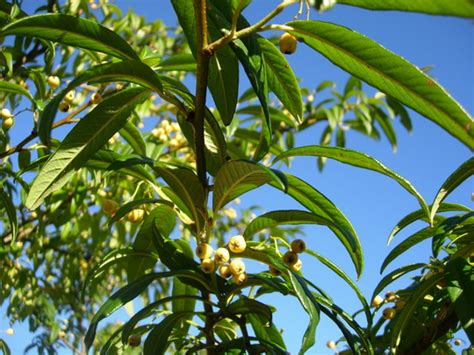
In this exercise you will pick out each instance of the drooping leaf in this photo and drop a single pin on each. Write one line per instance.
(85, 139)
(182, 304)
(5, 86)
(134, 138)
(388, 72)
(245, 305)
(267, 333)
(6, 203)
(461, 8)
(355, 158)
(281, 78)
(129, 71)
(178, 62)
(465, 171)
(73, 31)
(238, 177)
(319, 204)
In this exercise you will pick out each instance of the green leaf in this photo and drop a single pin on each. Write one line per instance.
(310, 306)
(320, 205)
(246, 306)
(403, 319)
(223, 66)
(459, 277)
(157, 340)
(134, 138)
(394, 275)
(85, 139)
(352, 157)
(420, 214)
(267, 333)
(129, 71)
(144, 242)
(409, 242)
(4, 347)
(388, 72)
(237, 177)
(186, 185)
(182, 304)
(281, 78)
(465, 171)
(461, 8)
(16, 89)
(73, 31)
(178, 62)
(7, 203)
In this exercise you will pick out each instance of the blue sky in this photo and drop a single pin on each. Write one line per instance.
(372, 202)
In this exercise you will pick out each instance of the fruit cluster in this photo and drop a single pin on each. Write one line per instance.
(7, 117)
(390, 297)
(291, 257)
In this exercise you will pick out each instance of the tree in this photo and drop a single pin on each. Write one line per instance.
(117, 210)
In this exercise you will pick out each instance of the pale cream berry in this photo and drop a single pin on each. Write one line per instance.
(231, 213)
(204, 251)
(224, 271)
(69, 97)
(240, 278)
(63, 106)
(134, 340)
(208, 265)
(163, 137)
(298, 246)
(297, 266)
(331, 344)
(8, 123)
(290, 258)
(53, 81)
(157, 132)
(237, 244)
(6, 113)
(110, 207)
(96, 98)
(237, 267)
(388, 313)
(174, 143)
(136, 215)
(288, 43)
(221, 256)
(377, 301)
(9, 331)
(274, 271)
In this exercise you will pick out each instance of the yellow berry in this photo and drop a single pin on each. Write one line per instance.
(63, 106)
(136, 215)
(237, 244)
(237, 267)
(110, 207)
(96, 98)
(297, 266)
(288, 43)
(274, 271)
(7, 123)
(69, 97)
(134, 340)
(298, 246)
(6, 113)
(240, 278)
(390, 296)
(231, 213)
(457, 342)
(377, 301)
(331, 344)
(208, 265)
(10, 331)
(389, 313)
(204, 251)
(222, 256)
(53, 81)
(224, 271)
(290, 258)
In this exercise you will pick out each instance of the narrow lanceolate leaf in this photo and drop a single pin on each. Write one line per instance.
(319, 204)
(388, 72)
(73, 31)
(16, 89)
(132, 71)
(281, 78)
(460, 284)
(134, 138)
(409, 310)
(182, 304)
(223, 66)
(394, 275)
(352, 157)
(421, 215)
(275, 218)
(84, 140)
(7, 204)
(178, 62)
(238, 177)
(461, 8)
(465, 171)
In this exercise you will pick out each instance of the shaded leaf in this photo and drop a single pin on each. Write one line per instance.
(6, 203)
(12, 88)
